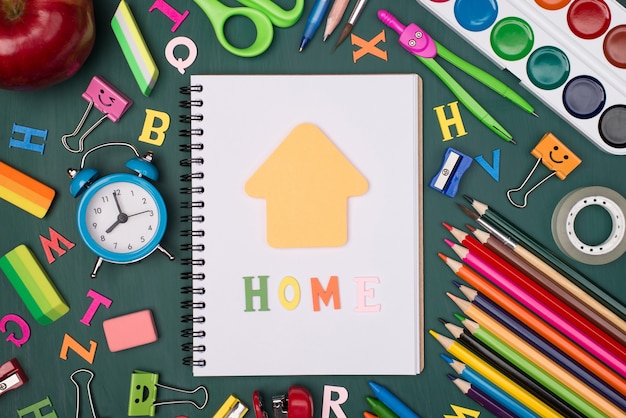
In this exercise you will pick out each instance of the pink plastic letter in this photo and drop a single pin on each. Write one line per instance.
(170, 12)
(98, 300)
(363, 293)
(24, 328)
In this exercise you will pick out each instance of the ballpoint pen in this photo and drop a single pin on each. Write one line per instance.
(314, 21)
(418, 43)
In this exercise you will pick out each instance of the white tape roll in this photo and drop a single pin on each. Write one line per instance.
(564, 217)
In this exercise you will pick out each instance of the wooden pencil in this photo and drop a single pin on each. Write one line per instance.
(480, 398)
(535, 364)
(547, 257)
(497, 378)
(511, 371)
(554, 287)
(540, 309)
(542, 328)
(489, 388)
(546, 298)
(508, 320)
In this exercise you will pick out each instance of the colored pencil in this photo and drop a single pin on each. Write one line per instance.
(480, 398)
(549, 300)
(497, 378)
(535, 364)
(369, 415)
(489, 388)
(547, 257)
(554, 287)
(334, 16)
(519, 311)
(509, 370)
(512, 323)
(540, 309)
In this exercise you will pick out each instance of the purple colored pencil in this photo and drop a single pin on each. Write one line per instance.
(493, 309)
(481, 398)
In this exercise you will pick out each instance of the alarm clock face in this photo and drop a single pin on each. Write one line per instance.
(122, 218)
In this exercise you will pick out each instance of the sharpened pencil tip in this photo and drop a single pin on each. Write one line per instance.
(457, 284)
(471, 227)
(447, 226)
(443, 321)
(447, 241)
(468, 212)
(451, 376)
(512, 141)
(443, 256)
(535, 114)
(460, 317)
(469, 199)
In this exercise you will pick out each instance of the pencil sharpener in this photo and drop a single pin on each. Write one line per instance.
(298, 403)
(454, 165)
(12, 376)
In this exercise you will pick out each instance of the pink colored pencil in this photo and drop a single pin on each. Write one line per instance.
(540, 309)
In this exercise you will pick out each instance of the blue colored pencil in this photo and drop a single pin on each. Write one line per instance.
(481, 398)
(494, 310)
(490, 389)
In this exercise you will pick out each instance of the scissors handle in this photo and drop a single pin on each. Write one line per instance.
(280, 17)
(219, 14)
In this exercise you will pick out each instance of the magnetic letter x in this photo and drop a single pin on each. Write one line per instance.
(368, 47)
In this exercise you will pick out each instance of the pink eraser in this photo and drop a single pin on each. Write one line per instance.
(131, 330)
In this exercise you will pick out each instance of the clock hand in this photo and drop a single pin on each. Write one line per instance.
(121, 218)
(139, 213)
(117, 203)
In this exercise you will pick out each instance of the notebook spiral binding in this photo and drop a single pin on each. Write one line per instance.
(191, 228)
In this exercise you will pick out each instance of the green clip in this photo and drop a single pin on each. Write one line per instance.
(143, 391)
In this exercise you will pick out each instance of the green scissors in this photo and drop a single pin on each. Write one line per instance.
(264, 14)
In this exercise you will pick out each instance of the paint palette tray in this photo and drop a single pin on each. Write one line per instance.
(570, 54)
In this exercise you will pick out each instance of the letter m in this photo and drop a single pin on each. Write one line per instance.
(54, 244)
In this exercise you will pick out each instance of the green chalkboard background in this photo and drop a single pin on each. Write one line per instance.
(155, 284)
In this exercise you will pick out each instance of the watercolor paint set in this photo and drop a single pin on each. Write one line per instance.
(570, 54)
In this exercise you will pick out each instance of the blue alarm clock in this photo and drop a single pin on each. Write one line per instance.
(121, 217)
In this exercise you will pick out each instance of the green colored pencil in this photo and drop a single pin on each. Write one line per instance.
(532, 369)
(504, 225)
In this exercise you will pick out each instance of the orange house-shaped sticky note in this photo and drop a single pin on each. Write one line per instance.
(306, 183)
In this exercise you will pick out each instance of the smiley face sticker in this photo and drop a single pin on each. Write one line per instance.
(555, 155)
(143, 391)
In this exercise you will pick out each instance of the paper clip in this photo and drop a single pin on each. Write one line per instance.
(91, 376)
(555, 156)
(143, 393)
(105, 98)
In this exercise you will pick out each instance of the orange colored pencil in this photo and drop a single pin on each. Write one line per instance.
(557, 339)
(585, 398)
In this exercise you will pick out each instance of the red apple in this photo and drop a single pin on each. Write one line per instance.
(43, 42)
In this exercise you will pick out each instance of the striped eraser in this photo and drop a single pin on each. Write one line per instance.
(33, 285)
(134, 48)
(24, 191)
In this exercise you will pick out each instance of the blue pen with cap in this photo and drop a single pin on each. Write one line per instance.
(314, 21)
(391, 401)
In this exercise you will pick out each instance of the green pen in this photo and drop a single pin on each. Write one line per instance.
(379, 408)
(425, 49)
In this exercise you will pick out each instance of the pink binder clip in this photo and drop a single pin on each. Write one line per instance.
(105, 98)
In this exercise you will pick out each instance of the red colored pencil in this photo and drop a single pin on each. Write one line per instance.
(547, 296)
(542, 328)
(540, 309)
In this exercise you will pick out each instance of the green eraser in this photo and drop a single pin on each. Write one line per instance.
(33, 285)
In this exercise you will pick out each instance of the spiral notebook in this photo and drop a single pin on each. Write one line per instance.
(305, 225)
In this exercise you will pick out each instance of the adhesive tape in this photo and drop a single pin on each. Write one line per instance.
(564, 217)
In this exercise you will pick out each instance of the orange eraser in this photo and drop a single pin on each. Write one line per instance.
(131, 330)
(24, 191)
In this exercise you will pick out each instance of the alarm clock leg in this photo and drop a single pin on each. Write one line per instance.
(96, 267)
(164, 251)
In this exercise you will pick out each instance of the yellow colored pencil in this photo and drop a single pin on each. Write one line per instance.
(566, 385)
(493, 375)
